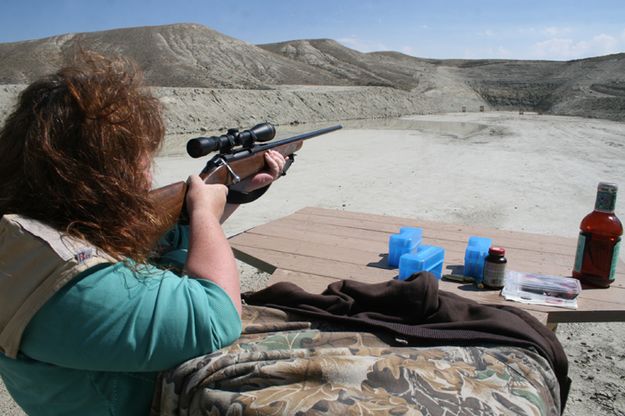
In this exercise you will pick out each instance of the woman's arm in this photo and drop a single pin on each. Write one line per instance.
(210, 256)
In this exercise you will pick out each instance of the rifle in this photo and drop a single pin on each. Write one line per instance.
(239, 157)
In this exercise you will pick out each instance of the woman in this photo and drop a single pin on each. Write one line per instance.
(86, 321)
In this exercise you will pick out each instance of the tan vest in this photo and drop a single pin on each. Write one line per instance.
(35, 262)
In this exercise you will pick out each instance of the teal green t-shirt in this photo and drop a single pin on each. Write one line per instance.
(96, 347)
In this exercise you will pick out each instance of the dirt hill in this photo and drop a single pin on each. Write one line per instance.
(320, 78)
(593, 87)
(181, 55)
(347, 64)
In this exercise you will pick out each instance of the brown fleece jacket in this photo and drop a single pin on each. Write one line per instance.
(417, 312)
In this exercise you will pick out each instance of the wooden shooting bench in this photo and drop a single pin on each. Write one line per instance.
(314, 247)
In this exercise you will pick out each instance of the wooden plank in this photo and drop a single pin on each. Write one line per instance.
(309, 282)
(317, 284)
(439, 237)
(509, 239)
(289, 223)
(329, 215)
(564, 259)
(313, 235)
(311, 249)
(334, 234)
(321, 266)
(517, 241)
(318, 235)
(252, 260)
(593, 305)
(370, 255)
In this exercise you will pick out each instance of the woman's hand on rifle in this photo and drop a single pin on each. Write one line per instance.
(209, 199)
(274, 165)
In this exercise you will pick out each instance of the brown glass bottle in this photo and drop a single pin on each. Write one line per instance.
(495, 268)
(599, 240)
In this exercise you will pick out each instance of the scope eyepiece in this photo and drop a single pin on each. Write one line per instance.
(202, 146)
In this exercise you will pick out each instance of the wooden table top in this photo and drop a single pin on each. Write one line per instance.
(314, 247)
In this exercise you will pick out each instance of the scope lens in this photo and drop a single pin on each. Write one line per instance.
(264, 132)
(202, 146)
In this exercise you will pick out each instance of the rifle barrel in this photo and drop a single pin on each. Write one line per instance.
(303, 136)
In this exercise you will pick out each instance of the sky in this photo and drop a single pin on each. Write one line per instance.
(521, 29)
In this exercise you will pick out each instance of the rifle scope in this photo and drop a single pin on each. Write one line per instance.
(201, 146)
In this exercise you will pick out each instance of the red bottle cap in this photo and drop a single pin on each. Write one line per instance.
(498, 251)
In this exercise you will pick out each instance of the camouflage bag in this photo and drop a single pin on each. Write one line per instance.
(282, 366)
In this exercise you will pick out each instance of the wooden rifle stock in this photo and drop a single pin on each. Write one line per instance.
(170, 199)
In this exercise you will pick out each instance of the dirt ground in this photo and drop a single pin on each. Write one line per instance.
(528, 172)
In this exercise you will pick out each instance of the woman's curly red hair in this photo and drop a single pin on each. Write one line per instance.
(73, 154)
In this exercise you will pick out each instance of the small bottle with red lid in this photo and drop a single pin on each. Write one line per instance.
(495, 268)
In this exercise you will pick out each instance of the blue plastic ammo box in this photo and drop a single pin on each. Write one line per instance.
(474, 256)
(406, 241)
(426, 258)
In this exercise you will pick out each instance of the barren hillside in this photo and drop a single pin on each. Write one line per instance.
(182, 55)
(194, 62)
(344, 63)
(592, 87)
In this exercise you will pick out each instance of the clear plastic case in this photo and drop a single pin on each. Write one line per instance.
(541, 289)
